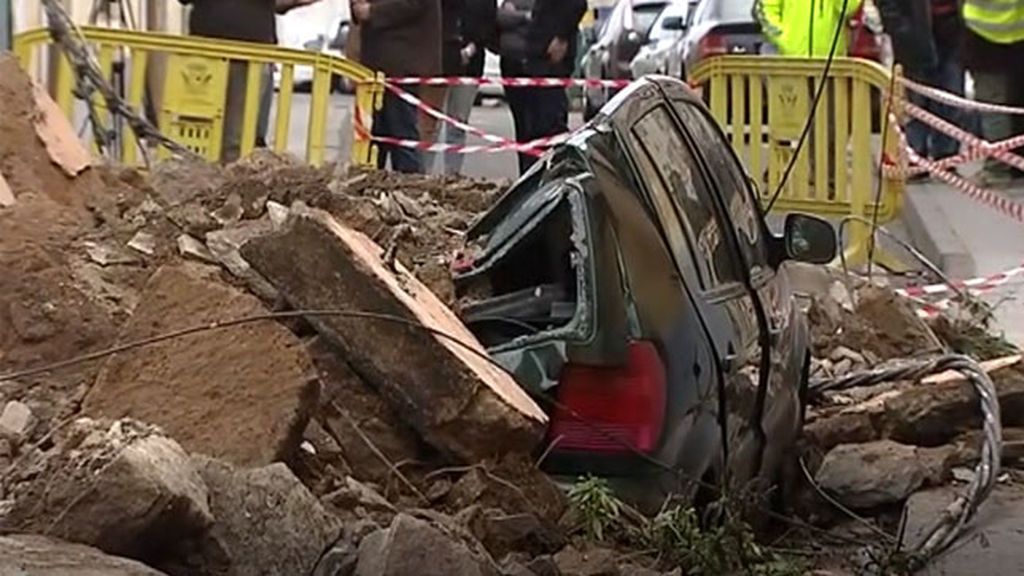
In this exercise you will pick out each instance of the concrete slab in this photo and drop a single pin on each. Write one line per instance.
(932, 231)
(992, 542)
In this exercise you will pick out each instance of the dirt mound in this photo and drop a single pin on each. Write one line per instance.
(24, 160)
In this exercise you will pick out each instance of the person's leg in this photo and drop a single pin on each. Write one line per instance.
(994, 87)
(234, 108)
(519, 105)
(549, 109)
(403, 124)
(266, 100)
(949, 76)
(430, 127)
(918, 133)
(459, 105)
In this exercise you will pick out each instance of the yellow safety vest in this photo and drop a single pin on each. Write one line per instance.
(998, 21)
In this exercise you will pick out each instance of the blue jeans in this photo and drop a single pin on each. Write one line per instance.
(397, 119)
(948, 76)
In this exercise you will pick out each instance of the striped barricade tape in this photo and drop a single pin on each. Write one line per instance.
(959, 101)
(534, 147)
(508, 82)
(975, 285)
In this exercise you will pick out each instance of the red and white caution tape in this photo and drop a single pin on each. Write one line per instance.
(438, 115)
(959, 101)
(974, 285)
(987, 148)
(509, 82)
(533, 147)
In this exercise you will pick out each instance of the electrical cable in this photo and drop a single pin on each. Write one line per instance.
(472, 348)
(881, 166)
(955, 517)
(840, 26)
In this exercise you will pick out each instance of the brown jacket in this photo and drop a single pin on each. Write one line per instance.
(402, 37)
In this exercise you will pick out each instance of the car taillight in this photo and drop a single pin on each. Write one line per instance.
(711, 45)
(610, 410)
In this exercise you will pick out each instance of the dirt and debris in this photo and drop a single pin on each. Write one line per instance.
(330, 445)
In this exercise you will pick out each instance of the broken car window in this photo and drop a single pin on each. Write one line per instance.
(672, 166)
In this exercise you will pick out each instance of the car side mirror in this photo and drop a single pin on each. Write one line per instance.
(674, 23)
(809, 239)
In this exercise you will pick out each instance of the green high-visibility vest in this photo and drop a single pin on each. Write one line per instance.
(998, 21)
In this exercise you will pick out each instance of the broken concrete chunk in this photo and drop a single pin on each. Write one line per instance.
(16, 422)
(112, 486)
(278, 213)
(229, 213)
(244, 394)
(267, 522)
(414, 546)
(34, 555)
(6, 195)
(108, 255)
(438, 386)
(225, 246)
(143, 242)
(190, 247)
(58, 136)
(864, 476)
(178, 180)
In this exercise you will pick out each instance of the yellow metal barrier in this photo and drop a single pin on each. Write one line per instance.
(191, 94)
(763, 104)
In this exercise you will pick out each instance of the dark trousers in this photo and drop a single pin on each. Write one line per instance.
(536, 113)
(397, 119)
(949, 76)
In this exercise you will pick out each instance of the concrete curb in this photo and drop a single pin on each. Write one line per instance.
(931, 230)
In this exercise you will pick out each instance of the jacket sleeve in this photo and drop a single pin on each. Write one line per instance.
(392, 13)
(479, 22)
(768, 14)
(571, 12)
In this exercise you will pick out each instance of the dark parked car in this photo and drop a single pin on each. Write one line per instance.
(617, 43)
(630, 283)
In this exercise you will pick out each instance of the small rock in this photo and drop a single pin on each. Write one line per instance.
(190, 247)
(106, 255)
(32, 555)
(6, 451)
(231, 212)
(439, 490)
(143, 242)
(193, 219)
(503, 533)
(543, 566)
(414, 546)
(637, 570)
(408, 205)
(355, 493)
(965, 475)
(278, 214)
(590, 562)
(16, 422)
(844, 353)
(6, 196)
(872, 474)
(340, 560)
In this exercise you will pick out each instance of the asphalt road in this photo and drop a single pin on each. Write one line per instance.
(492, 116)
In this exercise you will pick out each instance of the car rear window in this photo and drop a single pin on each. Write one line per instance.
(734, 10)
(644, 17)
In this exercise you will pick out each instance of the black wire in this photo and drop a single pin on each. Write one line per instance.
(814, 107)
(881, 166)
(473, 349)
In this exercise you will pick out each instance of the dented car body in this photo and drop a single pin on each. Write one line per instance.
(631, 284)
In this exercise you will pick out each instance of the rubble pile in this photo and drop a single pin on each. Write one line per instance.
(871, 448)
(284, 388)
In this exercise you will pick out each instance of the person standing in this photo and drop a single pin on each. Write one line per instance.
(466, 52)
(538, 39)
(399, 38)
(805, 28)
(436, 96)
(994, 50)
(927, 36)
(248, 21)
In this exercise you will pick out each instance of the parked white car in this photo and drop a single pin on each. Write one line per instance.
(663, 52)
(301, 32)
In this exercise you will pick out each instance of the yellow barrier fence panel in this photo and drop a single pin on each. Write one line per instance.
(251, 110)
(836, 172)
(284, 108)
(192, 98)
(136, 96)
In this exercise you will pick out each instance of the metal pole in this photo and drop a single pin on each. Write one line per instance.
(6, 24)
